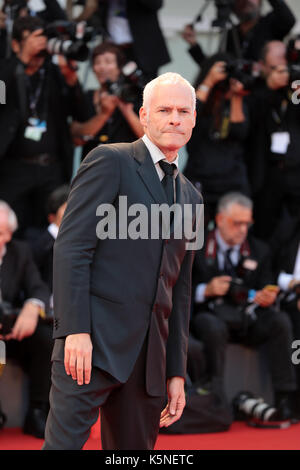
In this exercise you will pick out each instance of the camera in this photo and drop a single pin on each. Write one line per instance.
(256, 412)
(69, 39)
(8, 316)
(238, 292)
(224, 8)
(243, 71)
(293, 58)
(129, 85)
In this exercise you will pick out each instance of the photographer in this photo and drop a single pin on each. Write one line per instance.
(216, 154)
(13, 9)
(274, 159)
(287, 268)
(253, 30)
(23, 325)
(109, 118)
(233, 298)
(36, 146)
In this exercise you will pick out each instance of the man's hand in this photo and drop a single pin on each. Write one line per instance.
(108, 103)
(34, 43)
(68, 70)
(26, 322)
(78, 357)
(218, 286)
(266, 297)
(176, 402)
(189, 35)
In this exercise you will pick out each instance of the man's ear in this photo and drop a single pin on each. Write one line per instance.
(143, 116)
(15, 46)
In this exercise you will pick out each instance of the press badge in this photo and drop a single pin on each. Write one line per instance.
(280, 142)
(35, 129)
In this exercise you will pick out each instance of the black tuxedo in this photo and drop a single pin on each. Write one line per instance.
(125, 293)
(270, 327)
(20, 280)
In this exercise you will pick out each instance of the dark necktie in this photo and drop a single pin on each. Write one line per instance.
(167, 181)
(229, 268)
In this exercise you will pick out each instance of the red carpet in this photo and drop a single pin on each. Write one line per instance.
(239, 437)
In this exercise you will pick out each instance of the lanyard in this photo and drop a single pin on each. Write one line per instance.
(34, 95)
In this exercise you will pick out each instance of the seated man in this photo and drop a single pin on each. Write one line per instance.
(233, 298)
(24, 294)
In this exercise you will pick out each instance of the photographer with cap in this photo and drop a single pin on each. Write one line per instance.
(24, 326)
(234, 299)
(36, 146)
(111, 112)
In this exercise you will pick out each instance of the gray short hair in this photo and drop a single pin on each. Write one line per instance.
(11, 215)
(171, 78)
(229, 199)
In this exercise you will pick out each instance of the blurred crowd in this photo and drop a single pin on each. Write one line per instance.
(243, 156)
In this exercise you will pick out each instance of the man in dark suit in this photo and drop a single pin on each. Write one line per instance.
(24, 294)
(234, 297)
(121, 303)
(133, 26)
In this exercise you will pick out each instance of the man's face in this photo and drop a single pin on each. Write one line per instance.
(169, 118)
(247, 9)
(106, 67)
(234, 224)
(5, 232)
(275, 60)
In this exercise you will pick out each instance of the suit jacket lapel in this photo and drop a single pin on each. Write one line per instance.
(148, 173)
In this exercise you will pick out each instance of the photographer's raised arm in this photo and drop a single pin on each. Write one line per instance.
(215, 75)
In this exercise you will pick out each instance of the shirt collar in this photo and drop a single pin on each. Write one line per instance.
(157, 155)
(53, 230)
(223, 245)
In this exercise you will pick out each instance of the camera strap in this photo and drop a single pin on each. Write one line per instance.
(212, 246)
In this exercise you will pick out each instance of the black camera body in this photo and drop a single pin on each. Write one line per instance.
(293, 58)
(238, 292)
(243, 71)
(129, 85)
(8, 316)
(224, 8)
(69, 39)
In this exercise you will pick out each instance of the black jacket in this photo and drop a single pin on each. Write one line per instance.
(148, 42)
(120, 290)
(65, 101)
(20, 278)
(206, 267)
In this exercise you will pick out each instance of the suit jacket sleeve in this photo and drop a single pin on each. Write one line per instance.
(97, 182)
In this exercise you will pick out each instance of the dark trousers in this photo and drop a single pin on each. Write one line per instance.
(34, 355)
(129, 416)
(271, 328)
(26, 188)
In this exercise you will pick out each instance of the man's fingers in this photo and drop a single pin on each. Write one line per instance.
(87, 368)
(72, 364)
(66, 361)
(79, 368)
